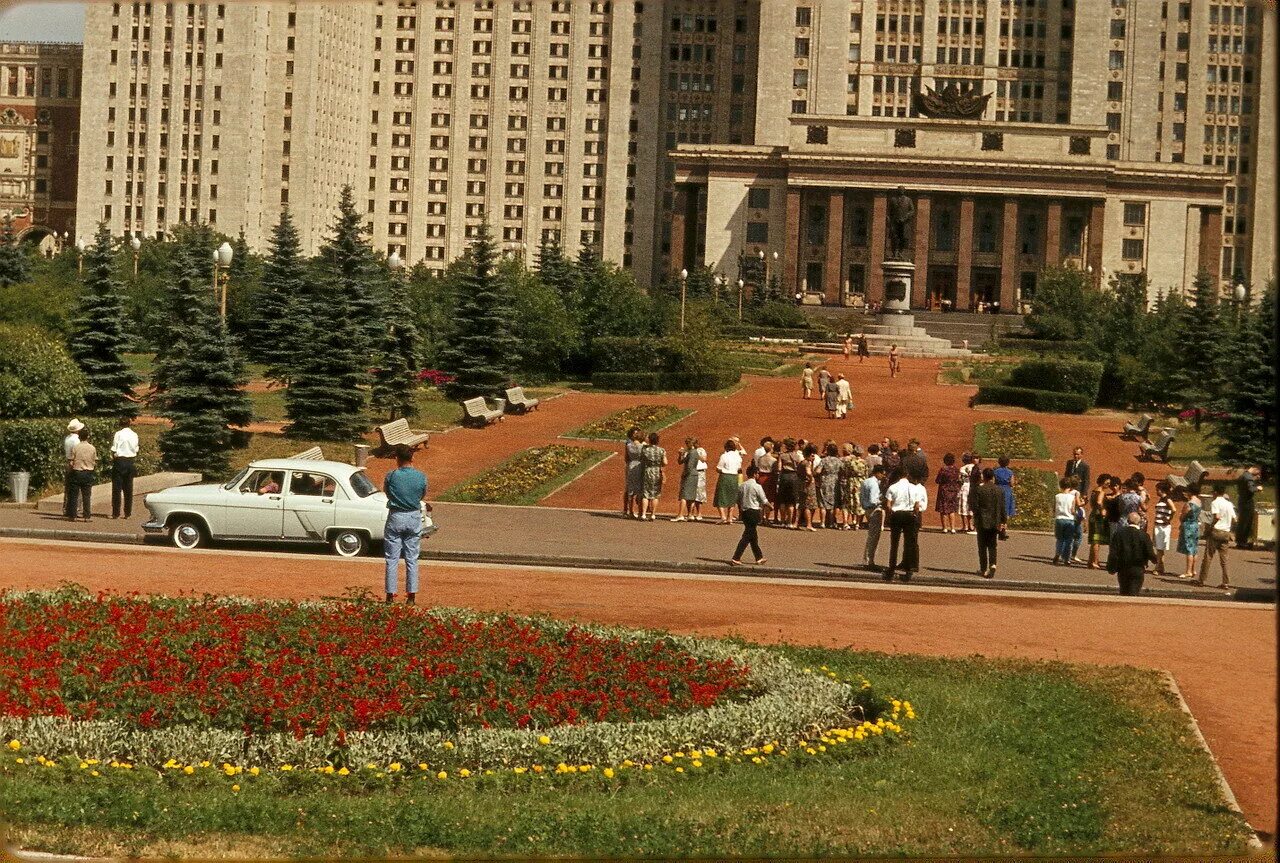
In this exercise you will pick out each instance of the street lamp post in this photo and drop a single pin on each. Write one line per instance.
(719, 283)
(741, 285)
(80, 247)
(684, 285)
(222, 257)
(136, 245)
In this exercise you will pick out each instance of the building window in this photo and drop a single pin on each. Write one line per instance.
(758, 199)
(944, 231)
(758, 232)
(1135, 213)
(1131, 250)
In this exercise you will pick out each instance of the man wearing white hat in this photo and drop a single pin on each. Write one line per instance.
(69, 444)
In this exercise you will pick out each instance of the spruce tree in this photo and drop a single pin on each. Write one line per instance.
(273, 341)
(15, 263)
(188, 294)
(395, 379)
(98, 339)
(1198, 378)
(201, 374)
(351, 260)
(1247, 434)
(483, 351)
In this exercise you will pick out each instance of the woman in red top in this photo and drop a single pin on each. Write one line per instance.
(948, 498)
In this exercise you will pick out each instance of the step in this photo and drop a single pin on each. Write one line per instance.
(100, 501)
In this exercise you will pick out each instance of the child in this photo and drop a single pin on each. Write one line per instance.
(1163, 524)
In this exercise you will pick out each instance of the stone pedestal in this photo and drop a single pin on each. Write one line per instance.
(898, 278)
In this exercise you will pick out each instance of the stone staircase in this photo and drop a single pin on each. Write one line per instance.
(885, 331)
(942, 329)
(960, 326)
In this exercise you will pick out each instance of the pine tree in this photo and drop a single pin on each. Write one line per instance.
(326, 397)
(273, 341)
(483, 351)
(395, 380)
(15, 263)
(202, 372)
(188, 294)
(1198, 378)
(98, 339)
(351, 260)
(1247, 433)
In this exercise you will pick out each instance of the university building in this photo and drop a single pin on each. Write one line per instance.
(668, 134)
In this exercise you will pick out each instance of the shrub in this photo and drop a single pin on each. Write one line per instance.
(1060, 376)
(35, 446)
(657, 382)
(1026, 344)
(625, 353)
(1034, 399)
(778, 314)
(38, 378)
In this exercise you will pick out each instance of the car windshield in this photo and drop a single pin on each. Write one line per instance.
(235, 480)
(362, 485)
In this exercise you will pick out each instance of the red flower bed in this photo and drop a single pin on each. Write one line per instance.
(348, 666)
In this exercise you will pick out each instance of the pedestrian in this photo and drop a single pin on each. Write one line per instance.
(966, 485)
(728, 474)
(766, 463)
(853, 470)
(810, 465)
(870, 498)
(844, 398)
(84, 461)
(949, 488)
(1065, 505)
(1130, 552)
(890, 457)
(905, 499)
(406, 490)
(752, 505)
(894, 362)
(1189, 530)
(68, 486)
(1005, 481)
(914, 461)
(848, 347)
(1247, 487)
(790, 490)
(1111, 503)
(864, 350)
(124, 454)
(873, 456)
(1099, 527)
(634, 476)
(1215, 544)
(827, 475)
(654, 459)
(806, 380)
(1079, 468)
(689, 457)
(824, 378)
(831, 397)
(1130, 501)
(1162, 535)
(990, 520)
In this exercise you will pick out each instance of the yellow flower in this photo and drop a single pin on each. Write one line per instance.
(812, 751)
(188, 770)
(822, 749)
(448, 745)
(755, 759)
(648, 767)
(628, 763)
(679, 769)
(235, 789)
(84, 765)
(608, 772)
(679, 755)
(667, 759)
(228, 769)
(394, 767)
(538, 768)
(21, 761)
(422, 766)
(767, 748)
(464, 773)
(442, 775)
(711, 753)
(93, 773)
(254, 771)
(328, 770)
(697, 763)
(519, 770)
(204, 763)
(544, 739)
(344, 772)
(285, 768)
(14, 745)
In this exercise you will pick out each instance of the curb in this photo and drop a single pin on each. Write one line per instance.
(1255, 842)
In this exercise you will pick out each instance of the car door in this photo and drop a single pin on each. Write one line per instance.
(309, 505)
(256, 509)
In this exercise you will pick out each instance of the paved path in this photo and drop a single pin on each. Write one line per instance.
(1223, 655)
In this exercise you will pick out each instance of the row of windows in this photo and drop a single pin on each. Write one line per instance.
(22, 81)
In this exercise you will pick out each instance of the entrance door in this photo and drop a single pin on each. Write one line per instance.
(986, 287)
(942, 289)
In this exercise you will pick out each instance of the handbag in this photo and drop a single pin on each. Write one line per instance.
(1003, 534)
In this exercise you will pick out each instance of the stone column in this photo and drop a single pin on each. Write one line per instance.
(1053, 235)
(920, 251)
(1009, 258)
(964, 256)
(833, 270)
(1097, 221)
(1210, 259)
(875, 272)
(791, 246)
(679, 211)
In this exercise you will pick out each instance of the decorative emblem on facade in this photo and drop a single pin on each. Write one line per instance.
(952, 103)
(10, 117)
(816, 134)
(9, 148)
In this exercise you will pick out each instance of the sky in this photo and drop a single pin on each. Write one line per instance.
(22, 21)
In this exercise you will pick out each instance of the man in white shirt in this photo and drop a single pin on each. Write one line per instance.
(124, 452)
(844, 399)
(69, 444)
(1224, 513)
(905, 500)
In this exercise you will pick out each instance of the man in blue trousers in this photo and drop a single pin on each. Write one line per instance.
(406, 490)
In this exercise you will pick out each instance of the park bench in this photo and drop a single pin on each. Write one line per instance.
(398, 433)
(518, 402)
(476, 412)
(1193, 475)
(1157, 450)
(313, 454)
(1133, 431)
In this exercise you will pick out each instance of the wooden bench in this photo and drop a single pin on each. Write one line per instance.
(518, 402)
(1157, 450)
(396, 434)
(313, 454)
(1133, 431)
(1194, 475)
(476, 412)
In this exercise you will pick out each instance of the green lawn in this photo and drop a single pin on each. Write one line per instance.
(614, 427)
(1033, 493)
(141, 364)
(975, 370)
(1014, 438)
(1007, 757)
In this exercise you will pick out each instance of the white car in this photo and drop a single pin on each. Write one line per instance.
(276, 500)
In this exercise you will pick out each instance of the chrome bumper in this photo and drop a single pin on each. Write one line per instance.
(153, 527)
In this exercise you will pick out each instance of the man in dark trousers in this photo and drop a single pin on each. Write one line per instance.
(989, 518)
(1078, 468)
(1247, 487)
(1130, 552)
(914, 463)
(752, 505)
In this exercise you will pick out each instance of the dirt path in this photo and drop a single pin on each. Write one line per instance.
(1223, 655)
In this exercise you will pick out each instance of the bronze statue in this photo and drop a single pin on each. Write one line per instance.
(902, 211)
(952, 103)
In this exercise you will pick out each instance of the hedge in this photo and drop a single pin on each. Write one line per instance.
(1041, 346)
(660, 382)
(1059, 375)
(38, 378)
(35, 446)
(747, 331)
(1035, 399)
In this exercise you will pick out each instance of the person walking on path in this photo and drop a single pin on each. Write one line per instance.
(690, 456)
(824, 378)
(806, 380)
(1005, 481)
(870, 498)
(831, 397)
(895, 364)
(728, 474)
(68, 486)
(654, 459)
(406, 490)
(1099, 527)
(752, 505)
(1215, 544)
(990, 519)
(124, 454)
(864, 350)
(905, 500)
(1189, 530)
(1247, 487)
(84, 461)
(844, 398)
(949, 487)
(1065, 504)
(634, 477)
(848, 346)
(1129, 554)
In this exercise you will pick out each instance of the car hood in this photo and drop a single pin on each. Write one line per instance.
(202, 491)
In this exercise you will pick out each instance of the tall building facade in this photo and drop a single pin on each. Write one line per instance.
(671, 133)
(39, 139)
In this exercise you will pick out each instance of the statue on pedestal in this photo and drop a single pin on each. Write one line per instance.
(902, 212)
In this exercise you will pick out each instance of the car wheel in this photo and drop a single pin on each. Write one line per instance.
(187, 534)
(348, 543)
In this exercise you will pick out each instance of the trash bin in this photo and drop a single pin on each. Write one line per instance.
(19, 485)
(500, 405)
(362, 454)
(1264, 526)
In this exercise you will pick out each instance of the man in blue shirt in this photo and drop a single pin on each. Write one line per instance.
(870, 496)
(406, 489)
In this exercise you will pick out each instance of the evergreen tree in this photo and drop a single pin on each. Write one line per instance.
(187, 295)
(1198, 377)
(1247, 434)
(201, 373)
(395, 380)
(1120, 327)
(15, 263)
(279, 301)
(483, 351)
(555, 271)
(352, 262)
(98, 339)
(243, 290)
